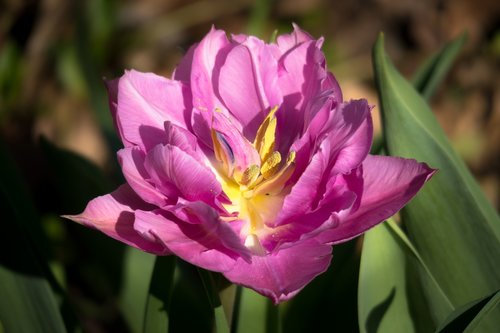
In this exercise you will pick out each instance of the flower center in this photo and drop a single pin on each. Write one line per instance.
(256, 191)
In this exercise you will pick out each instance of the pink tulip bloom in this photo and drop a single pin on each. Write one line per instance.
(248, 163)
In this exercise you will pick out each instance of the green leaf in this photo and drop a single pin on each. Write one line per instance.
(480, 322)
(208, 280)
(450, 222)
(159, 295)
(329, 302)
(432, 72)
(137, 271)
(27, 302)
(383, 304)
(256, 313)
(389, 296)
(464, 317)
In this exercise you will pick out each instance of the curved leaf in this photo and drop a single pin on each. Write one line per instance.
(27, 302)
(463, 318)
(453, 227)
(389, 297)
(159, 295)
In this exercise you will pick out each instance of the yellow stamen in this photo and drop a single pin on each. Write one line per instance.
(270, 165)
(265, 138)
(276, 183)
(249, 175)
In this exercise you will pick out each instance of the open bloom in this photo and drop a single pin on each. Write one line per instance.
(248, 162)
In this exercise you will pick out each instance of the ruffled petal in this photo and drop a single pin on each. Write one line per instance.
(305, 193)
(144, 102)
(207, 58)
(301, 81)
(132, 163)
(183, 139)
(209, 243)
(241, 152)
(389, 183)
(113, 214)
(176, 173)
(288, 41)
(283, 274)
(250, 99)
(350, 133)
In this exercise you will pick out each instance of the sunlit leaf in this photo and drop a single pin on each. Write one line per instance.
(212, 292)
(137, 271)
(384, 297)
(450, 222)
(432, 72)
(159, 295)
(256, 313)
(389, 294)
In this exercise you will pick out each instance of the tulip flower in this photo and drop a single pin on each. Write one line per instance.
(248, 162)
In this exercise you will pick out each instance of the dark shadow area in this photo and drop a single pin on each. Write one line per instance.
(375, 317)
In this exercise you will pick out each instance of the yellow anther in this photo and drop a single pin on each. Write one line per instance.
(277, 182)
(270, 165)
(249, 175)
(265, 138)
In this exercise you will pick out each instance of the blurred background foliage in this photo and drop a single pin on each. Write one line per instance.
(58, 143)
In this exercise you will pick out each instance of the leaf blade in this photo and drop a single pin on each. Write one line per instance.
(453, 227)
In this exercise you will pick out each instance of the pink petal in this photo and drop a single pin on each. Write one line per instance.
(238, 87)
(184, 140)
(289, 41)
(389, 183)
(304, 72)
(144, 102)
(113, 214)
(283, 274)
(176, 173)
(132, 163)
(251, 98)
(304, 194)
(350, 134)
(338, 198)
(242, 151)
(209, 243)
(207, 57)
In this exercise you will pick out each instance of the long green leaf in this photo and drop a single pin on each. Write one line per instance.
(191, 310)
(432, 72)
(329, 302)
(137, 271)
(463, 317)
(27, 301)
(253, 312)
(452, 225)
(382, 300)
(159, 295)
(389, 297)
(481, 318)
(208, 280)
